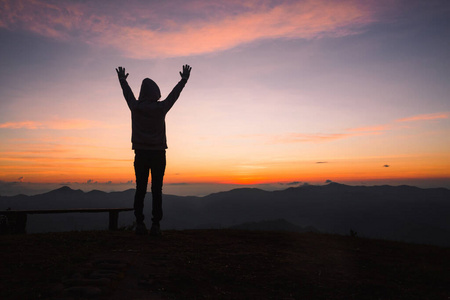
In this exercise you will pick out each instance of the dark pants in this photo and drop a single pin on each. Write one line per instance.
(145, 161)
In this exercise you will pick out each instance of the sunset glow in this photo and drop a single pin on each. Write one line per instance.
(281, 92)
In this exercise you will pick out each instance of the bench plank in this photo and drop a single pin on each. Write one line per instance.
(62, 211)
(18, 218)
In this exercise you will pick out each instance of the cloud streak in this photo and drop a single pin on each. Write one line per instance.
(353, 132)
(65, 124)
(23, 124)
(425, 117)
(377, 128)
(316, 138)
(150, 31)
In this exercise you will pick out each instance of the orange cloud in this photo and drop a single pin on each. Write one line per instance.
(425, 117)
(29, 156)
(151, 31)
(74, 124)
(24, 124)
(56, 163)
(64, 124)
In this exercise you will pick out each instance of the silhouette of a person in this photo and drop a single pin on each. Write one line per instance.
(149, 142)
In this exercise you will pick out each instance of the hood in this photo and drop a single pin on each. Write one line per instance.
(149, 91)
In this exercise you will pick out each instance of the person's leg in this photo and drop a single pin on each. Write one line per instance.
(158, 167)
(141, 169)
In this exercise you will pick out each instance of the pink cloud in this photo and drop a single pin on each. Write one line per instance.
(352, 132)
(304, 138)
(376, 128)
(293, 21)
(150, 30)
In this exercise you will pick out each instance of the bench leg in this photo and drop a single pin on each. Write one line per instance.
(113, 220)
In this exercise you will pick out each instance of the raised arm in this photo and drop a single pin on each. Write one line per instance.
(127, 92)
(175, 93)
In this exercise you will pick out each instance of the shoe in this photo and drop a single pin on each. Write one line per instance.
(141, 229)
(155, 230)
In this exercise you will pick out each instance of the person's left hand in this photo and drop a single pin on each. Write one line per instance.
(186, 72)
(121, 73)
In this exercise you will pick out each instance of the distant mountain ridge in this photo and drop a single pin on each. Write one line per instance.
(404, 213)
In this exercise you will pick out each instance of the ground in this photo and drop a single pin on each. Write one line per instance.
(219, 264)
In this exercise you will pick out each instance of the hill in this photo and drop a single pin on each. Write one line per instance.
(273, 225)
(219, 264)
(403, 213)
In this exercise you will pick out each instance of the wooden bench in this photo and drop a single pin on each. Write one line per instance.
(17, 219)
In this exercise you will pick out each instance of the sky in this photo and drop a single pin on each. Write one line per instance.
(282, 93)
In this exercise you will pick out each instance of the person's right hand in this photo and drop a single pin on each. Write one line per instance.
(121, 73)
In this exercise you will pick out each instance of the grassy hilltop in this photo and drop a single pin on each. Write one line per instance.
(223, 264)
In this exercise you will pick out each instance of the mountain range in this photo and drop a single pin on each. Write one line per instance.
(403, 213)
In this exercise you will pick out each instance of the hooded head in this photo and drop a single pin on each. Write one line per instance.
(149, 91)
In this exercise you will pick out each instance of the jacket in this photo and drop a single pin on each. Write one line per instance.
(148, 117)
